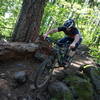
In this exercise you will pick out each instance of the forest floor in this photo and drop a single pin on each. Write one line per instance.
(9, 68)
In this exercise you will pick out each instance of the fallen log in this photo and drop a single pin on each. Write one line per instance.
(17, 50)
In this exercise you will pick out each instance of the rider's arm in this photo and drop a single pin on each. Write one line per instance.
(76, 39)
(50, 32)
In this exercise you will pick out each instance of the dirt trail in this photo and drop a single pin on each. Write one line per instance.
(82, 60)
(77, 62)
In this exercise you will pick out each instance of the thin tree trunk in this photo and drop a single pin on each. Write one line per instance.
(28, 25)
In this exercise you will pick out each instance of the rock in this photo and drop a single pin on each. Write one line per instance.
(4, 90)
(60, 75)
(20, 65)
(94, 74)
(3, 97)
(20, 77)
(3, 84)
(32, 87)
(59, 90)
(81, 88)
(3, 75)
(24, 98)
(95, 78)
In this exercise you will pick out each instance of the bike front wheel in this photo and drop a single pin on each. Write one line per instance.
(43, 74)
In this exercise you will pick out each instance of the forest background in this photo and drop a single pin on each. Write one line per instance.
(85, 12)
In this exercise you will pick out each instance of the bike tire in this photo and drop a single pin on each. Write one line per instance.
(43, 74)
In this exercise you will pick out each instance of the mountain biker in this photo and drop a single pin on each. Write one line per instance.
(72, 34)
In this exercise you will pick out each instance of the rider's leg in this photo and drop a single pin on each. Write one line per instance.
(63, 40)
(72, 52)
(60, 44)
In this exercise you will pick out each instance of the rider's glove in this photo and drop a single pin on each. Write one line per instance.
(45, 35)
(72, 45)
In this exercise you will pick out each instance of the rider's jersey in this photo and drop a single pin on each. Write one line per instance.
(71, 33)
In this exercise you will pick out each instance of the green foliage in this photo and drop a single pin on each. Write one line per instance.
(9, 10)
(66, 96)
(87, 20)
(95, 52)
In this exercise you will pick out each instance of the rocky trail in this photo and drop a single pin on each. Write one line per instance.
(17, 79)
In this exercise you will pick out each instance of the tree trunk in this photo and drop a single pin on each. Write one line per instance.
(28, 25)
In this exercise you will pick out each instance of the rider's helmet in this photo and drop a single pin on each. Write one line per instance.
(69, 23)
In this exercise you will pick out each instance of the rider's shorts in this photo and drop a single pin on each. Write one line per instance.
(63, 40)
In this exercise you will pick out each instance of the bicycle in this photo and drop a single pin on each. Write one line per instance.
(45, 70)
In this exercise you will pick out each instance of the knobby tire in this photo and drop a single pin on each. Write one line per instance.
(42, 69)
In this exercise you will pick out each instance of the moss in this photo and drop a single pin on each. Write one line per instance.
(66, 96)
(84, 91)
(82, 87)
(96, 71)
(54, 99)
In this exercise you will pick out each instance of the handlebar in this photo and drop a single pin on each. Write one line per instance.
(50, 40)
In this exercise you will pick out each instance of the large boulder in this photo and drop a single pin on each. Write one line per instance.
(81, 88)
(4, 90)
(20, 77)
(58, 90)
(94, 74)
